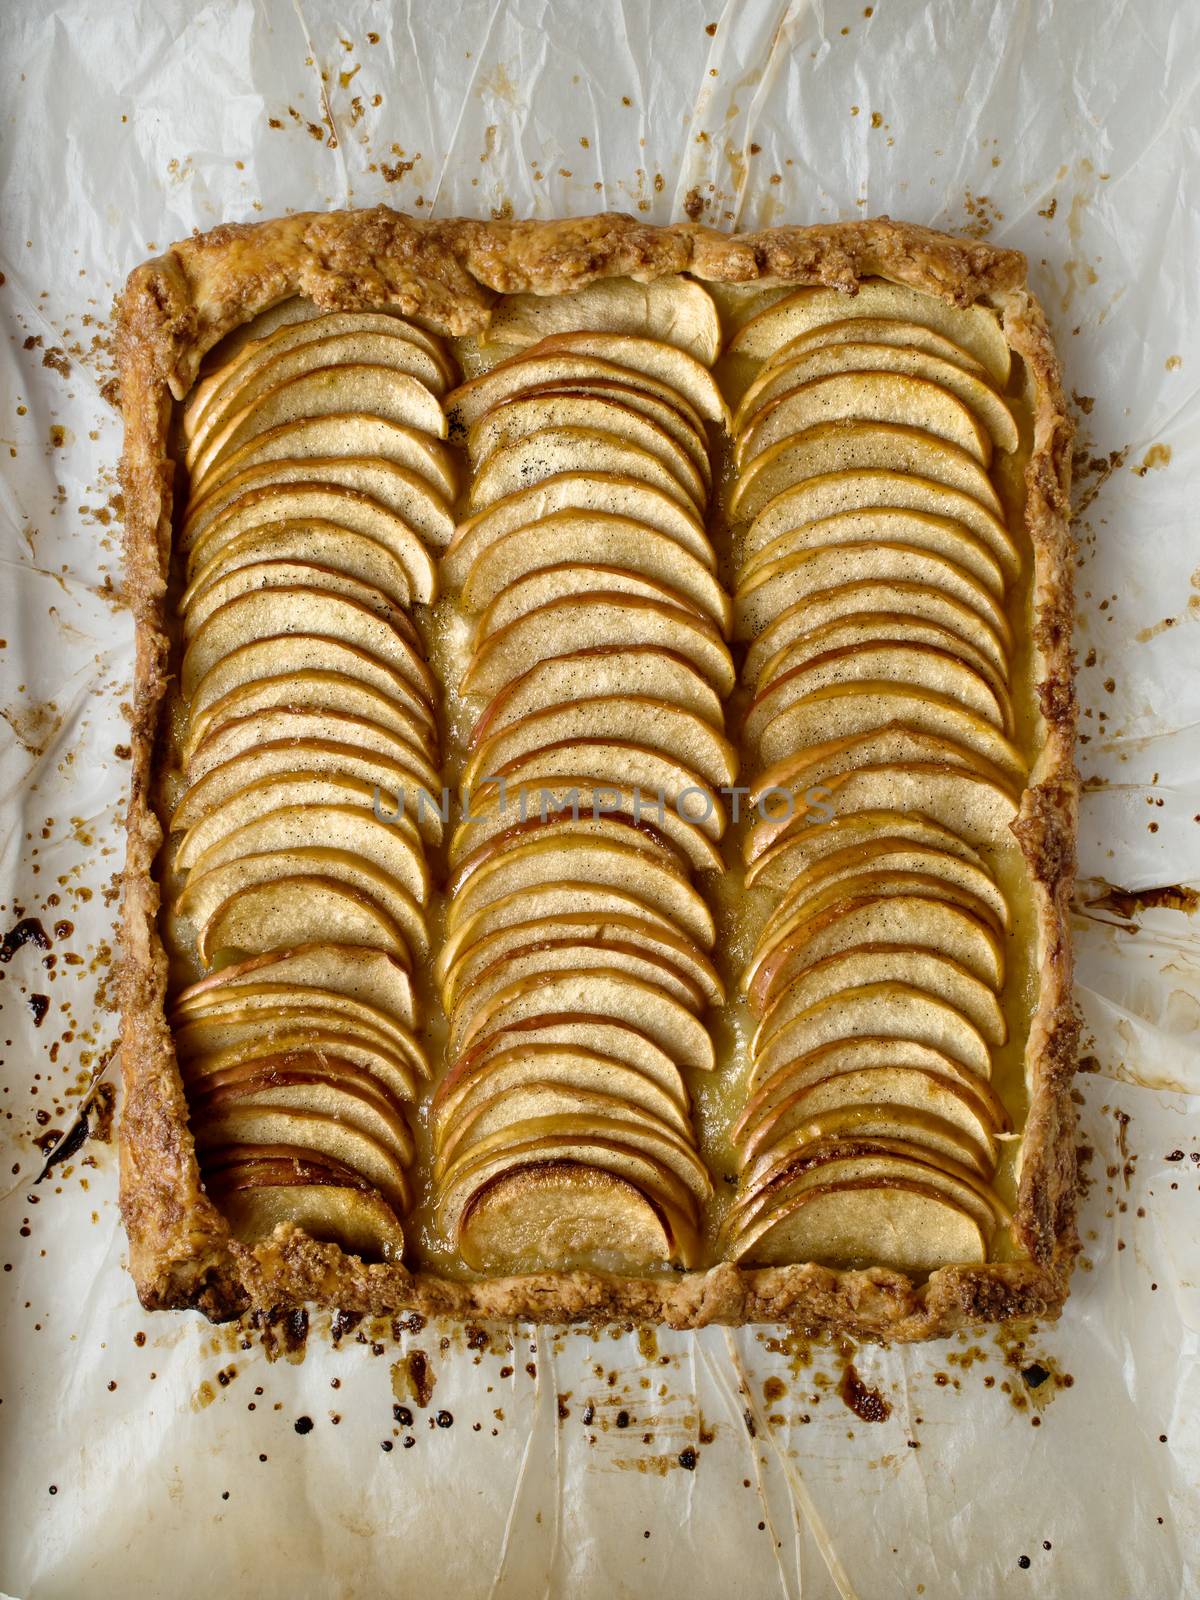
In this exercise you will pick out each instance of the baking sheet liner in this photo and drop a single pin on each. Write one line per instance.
(156, 1455)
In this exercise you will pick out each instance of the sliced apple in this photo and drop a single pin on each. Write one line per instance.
(279, 657)
(899, 666)
(264, 796)
(585, 494)
(603, 620)
(252, 381)
(777, 1002)
(597, 992)
(888, 1009)
(531, 461)
(667, 1149)
(878, 909)
(232, 737)
(777, 866)
(571, 1067)
(513, 812)
(600, 541)
(569, 580)
(347, 508)
(403, 492)
(216, 387)
(776, 586)
(850, 708)
(905, 336)
(544, 902)
(368, 976)
(266, 916)
(868, 630)
(652, 723)
(643, 1171)
(535, 416)
(918, 917)
(376, 391)
(870, 397)
(671, 310)
(681, 421)
(353, 829)
(205, 892)
(315, 691)
(358, 1220)
(659, 779)
(244, 1122)
(577, 858)
(479, 1121)
(906, 1225)
(302, 1079)
(861, 1060)
(342, 433)
(400, 791)
(564, 1214)
(883, 855)
(922, 530)
(851, 446)
(541, 959)
(299, 609)
(670, 948)
(619, 827)
(966, 801)
(323, 545)
(603, 670)
(817, 764)
(649, 359)
(882, 1089)
(837, 493)
(782, 378)
(601, 1035)
(975, 328)
(284, 1008)
(255, 576)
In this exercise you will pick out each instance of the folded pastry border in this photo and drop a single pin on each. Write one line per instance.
(449, 274)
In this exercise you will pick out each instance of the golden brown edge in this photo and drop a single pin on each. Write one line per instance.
(446, 275)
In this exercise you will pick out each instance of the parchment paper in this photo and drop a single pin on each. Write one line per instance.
(156, 1456)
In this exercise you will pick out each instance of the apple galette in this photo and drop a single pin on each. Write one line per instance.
(603, 804)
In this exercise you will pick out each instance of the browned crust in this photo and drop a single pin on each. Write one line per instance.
(447, 275)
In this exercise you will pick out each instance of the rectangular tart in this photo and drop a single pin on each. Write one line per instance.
(602, 817)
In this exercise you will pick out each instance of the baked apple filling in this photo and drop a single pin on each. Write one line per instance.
(319, 492)
(576, 969)
(877, 451)
(559, 938)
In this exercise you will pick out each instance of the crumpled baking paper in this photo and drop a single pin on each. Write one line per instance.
(157, 1456)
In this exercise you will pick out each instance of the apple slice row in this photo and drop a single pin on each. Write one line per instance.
(320, 493)
(872, 443)
(576, 967)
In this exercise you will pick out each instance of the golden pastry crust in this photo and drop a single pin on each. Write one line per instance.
(447, 276)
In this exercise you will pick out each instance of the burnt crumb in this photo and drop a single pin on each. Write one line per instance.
(28, 931)
(408, 1441)
(865, 1402)
(403, 1416)
(1023, 1562)
(420, 1376)
(589, 1414)
(477, 1338)
(304, 1425)
(39, 1004)
(1034, 1374)
(412, 1323)
(687, 1459)
(622, 1419)
(385, 1445)
(344, 1322)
